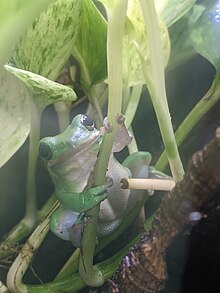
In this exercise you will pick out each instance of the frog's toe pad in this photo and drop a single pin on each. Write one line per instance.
(62, 221)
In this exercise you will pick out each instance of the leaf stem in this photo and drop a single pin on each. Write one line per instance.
(63, 112)
(154, 76)
(195, 115)
(31, 200)
(133, 104)
(3, 288)
(88, 272)
(26, 225)
(24, 258)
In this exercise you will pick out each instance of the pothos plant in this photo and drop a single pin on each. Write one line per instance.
(119, 46)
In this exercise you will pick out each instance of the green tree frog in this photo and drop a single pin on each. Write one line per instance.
(70, 158)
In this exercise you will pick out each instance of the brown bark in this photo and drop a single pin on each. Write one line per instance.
(144, 268)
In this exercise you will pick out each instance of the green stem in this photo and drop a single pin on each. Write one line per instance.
(63, 113)
(132, 147)
(24, 258)
(71, 265)
(22, 229)
(69, 280)
(73, 283)
(96, 108)
(133, 104)
(197, 113)
(88, 88)
(31, 199)
(3, 288)
(126, 94)
(26, 225)
(154, 76)
(46, 208)
(89, 274)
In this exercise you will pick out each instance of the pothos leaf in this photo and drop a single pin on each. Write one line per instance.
(135, 33)
(47, 44)
(180, 32)
(14, 17)
(170, 11)
(45, 91)
(44, 49)
(206, 34)
(90, 46)
(14, 118)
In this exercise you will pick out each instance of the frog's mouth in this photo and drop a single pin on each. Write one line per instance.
(47, 150)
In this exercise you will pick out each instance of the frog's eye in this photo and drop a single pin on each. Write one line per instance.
(87, 122)
(45, 151)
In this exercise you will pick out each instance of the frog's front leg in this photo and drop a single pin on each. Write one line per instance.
(80, 202)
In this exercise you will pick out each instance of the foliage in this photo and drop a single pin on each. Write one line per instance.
(119, 45)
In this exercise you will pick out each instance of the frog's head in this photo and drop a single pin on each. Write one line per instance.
(80, 136)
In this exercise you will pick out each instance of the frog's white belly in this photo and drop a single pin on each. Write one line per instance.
(114, 207)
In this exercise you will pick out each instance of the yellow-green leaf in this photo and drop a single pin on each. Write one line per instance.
(45, 91)
(14, 17)
(48, 42)
(206, 34)
(14, 116)
(90, 45)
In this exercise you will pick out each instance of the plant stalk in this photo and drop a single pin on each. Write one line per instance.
(91, 275)
(26, 225)
(63, 112)
(154, 76)
(195, 115)
(31, 199)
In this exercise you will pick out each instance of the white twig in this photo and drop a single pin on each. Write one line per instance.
(148, 184)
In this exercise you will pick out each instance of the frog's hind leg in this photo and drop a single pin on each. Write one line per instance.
(138, 163)
(106, 228)
(155, 174)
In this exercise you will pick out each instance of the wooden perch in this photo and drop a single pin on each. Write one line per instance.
(147, 184)
(144, 268)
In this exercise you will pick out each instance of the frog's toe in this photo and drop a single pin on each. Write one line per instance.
(109, 182)
(75, 234)
(62, 221)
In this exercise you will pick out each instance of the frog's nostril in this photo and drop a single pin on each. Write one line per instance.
(45, 151)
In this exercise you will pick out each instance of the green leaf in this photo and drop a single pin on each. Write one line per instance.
(47, 44)
(45, 91)
(90, 46)
(14, 17)
(135, 33)
(181, 43)
(170, 11)
(206, 34)
(14, 118)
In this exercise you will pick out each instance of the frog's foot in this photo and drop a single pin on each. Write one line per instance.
(61, 222)
(109, 182)
(107, 125)
(94, 196)
(155, 174)
(75, 232)
(120, 118)
(80, 202)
